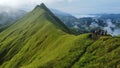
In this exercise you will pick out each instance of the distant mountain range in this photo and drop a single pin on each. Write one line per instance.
(9, 15)
(84, 24)
(68, 19)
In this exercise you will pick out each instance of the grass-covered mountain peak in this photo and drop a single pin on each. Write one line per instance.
(49, 15)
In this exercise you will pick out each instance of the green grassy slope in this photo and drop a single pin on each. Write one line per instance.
(40, 40)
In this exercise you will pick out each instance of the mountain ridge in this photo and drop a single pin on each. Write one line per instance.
(59, 22)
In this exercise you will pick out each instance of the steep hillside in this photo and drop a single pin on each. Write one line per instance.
(41, 40)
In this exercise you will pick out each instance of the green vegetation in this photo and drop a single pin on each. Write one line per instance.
(41, 40)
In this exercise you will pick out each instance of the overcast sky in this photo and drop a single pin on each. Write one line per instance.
(69, 6)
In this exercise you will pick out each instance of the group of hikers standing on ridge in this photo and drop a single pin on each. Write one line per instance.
(99, 32)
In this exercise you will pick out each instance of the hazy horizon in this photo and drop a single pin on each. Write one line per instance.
(73, 7)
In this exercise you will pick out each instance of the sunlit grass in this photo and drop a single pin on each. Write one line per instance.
(37, 41)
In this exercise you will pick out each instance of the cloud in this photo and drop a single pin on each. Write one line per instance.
(28, 4)
(70, 6)
(15, 3)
